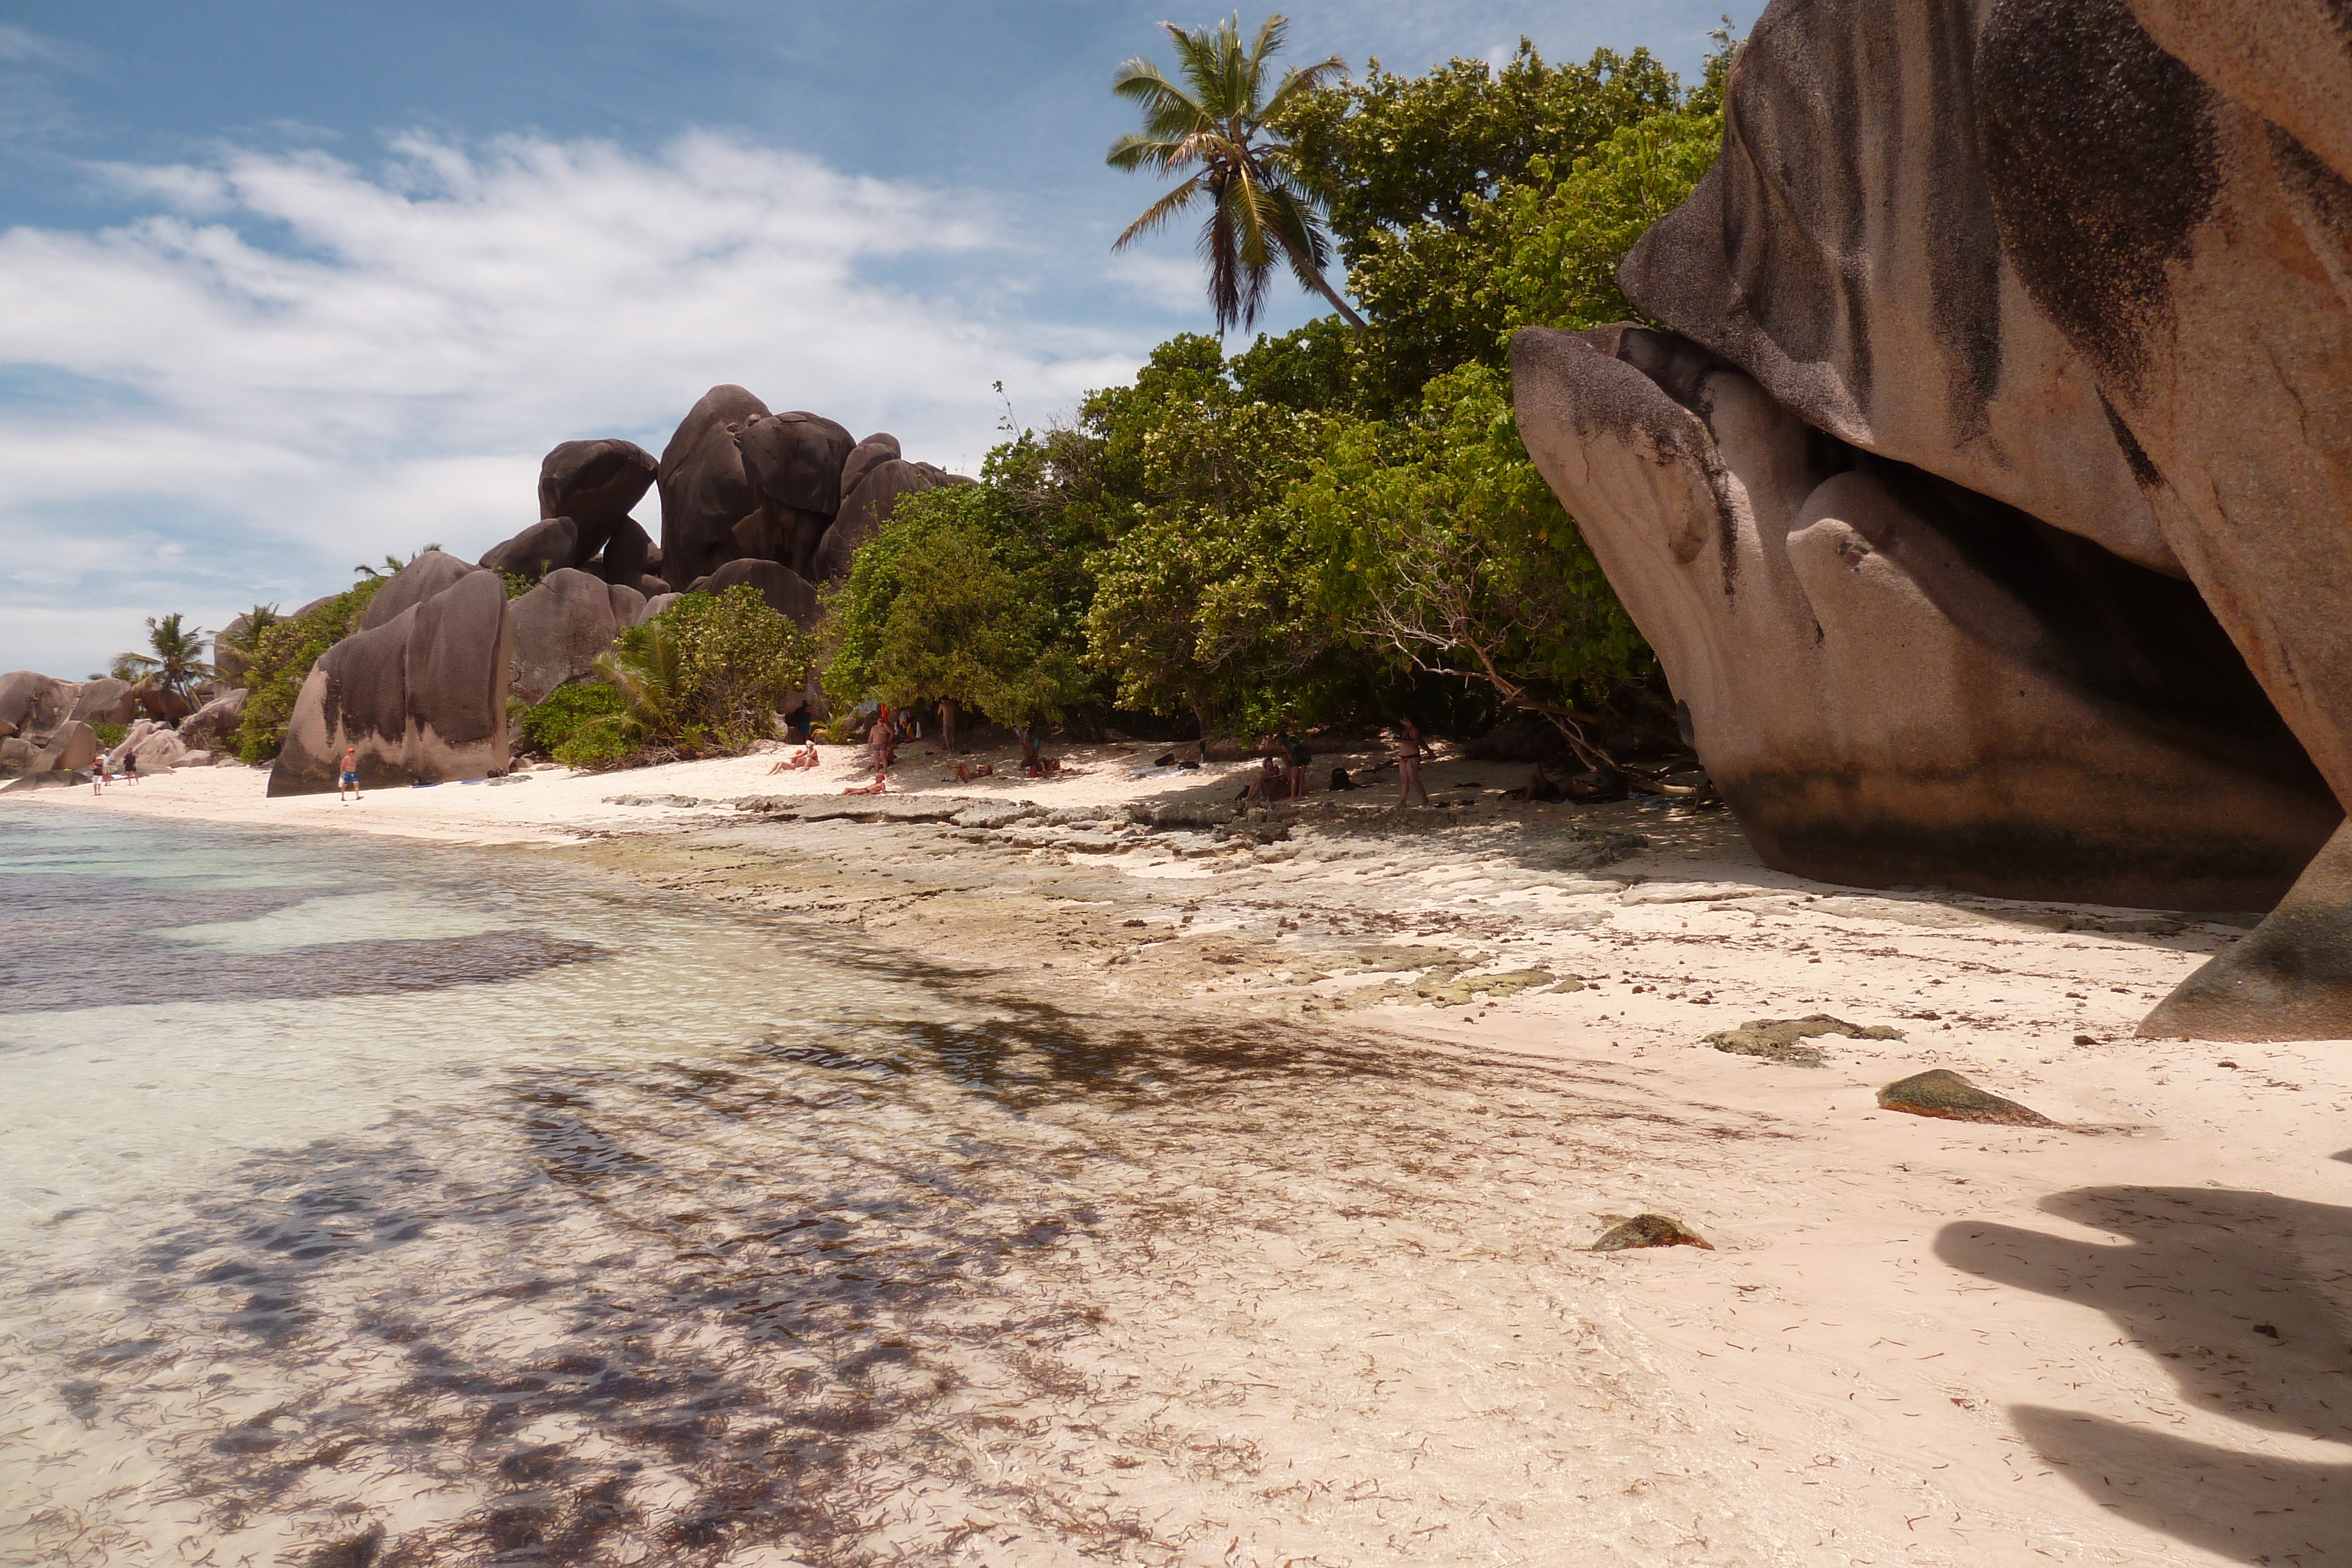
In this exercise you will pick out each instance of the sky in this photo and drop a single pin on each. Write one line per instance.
(287, 287)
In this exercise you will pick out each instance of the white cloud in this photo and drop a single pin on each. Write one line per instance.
(291, 364)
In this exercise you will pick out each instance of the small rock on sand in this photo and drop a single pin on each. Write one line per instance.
(1649, 1230)
(1938, 1093)
(1776, 1039)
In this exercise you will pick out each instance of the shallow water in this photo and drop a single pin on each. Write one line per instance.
(366, 1204)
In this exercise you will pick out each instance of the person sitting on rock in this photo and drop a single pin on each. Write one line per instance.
(1272, 775)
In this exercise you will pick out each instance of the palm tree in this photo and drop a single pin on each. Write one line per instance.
(177, 661)
(1228, 135)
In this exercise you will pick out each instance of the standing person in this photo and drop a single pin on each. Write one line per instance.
(799, 722)
(350, 779)
(97, 774)
(130, 767)
(948, 737)
(1406, 749)
(878, 742)
(1296, 757)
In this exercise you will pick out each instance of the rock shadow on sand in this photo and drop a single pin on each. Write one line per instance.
(2242, 1297)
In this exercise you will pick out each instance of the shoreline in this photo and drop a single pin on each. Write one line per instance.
(1951, 1334)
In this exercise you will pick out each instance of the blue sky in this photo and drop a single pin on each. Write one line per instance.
(285, 287)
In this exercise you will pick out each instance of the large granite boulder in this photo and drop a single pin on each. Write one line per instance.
(876, 449)
(794, 462)
(159, 750)
(625, 556)
(16, 754)
(212, 726)
(559, 628)
(628, 605)
(422, 695)
(787, 592)
(704, 489)
(595, 483)
(32, 704)
(545, 545)
(104, 701)
(864, 510)
(162, 704)
(1892, 679)
(1994, 319)
(73, 747)
(425, 577)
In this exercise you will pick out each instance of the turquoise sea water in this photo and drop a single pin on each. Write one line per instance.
(364, 1203)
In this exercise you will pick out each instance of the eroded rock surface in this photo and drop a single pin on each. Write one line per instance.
(558, 629)
(864, 511)
(422, 695)
(1986, 500)
(705, 490)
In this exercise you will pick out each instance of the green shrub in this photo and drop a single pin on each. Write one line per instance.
(110, 735)
(281, 660)
(706, 677)
(516, 583)
(566, 709)
(605, 742)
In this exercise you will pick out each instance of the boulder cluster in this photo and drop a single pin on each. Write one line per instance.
(420, 691)
(1984, 491)
(777, 501)
(49, 727)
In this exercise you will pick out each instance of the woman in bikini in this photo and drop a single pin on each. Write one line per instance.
(1405, 748)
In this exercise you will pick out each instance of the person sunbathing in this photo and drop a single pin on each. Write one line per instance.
(1541, 786)
(965, 772)
(879, 787)
(804, 758)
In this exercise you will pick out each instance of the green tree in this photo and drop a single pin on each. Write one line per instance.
(174, 660)
(1203, 598)
(1440, 542)
(1557, 243)
(1226, 136)
(1409, 166)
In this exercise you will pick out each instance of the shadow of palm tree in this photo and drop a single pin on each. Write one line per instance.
(2242, 1297)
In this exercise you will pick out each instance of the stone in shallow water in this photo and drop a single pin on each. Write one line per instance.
(1776, 1039)
(1940, 1093)
(1649, 1230)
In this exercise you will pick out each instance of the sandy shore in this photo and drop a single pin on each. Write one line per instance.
(2123, 1340)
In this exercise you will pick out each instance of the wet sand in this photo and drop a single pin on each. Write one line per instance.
(2121, 1340)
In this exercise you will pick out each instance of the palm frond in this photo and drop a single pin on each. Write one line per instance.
(1160, 211)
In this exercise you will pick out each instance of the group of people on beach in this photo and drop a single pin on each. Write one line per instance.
(122, 768)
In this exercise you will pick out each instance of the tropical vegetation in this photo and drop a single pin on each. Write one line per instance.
(1342, 520)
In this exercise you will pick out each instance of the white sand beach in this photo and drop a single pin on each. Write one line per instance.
(2120, 1339)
